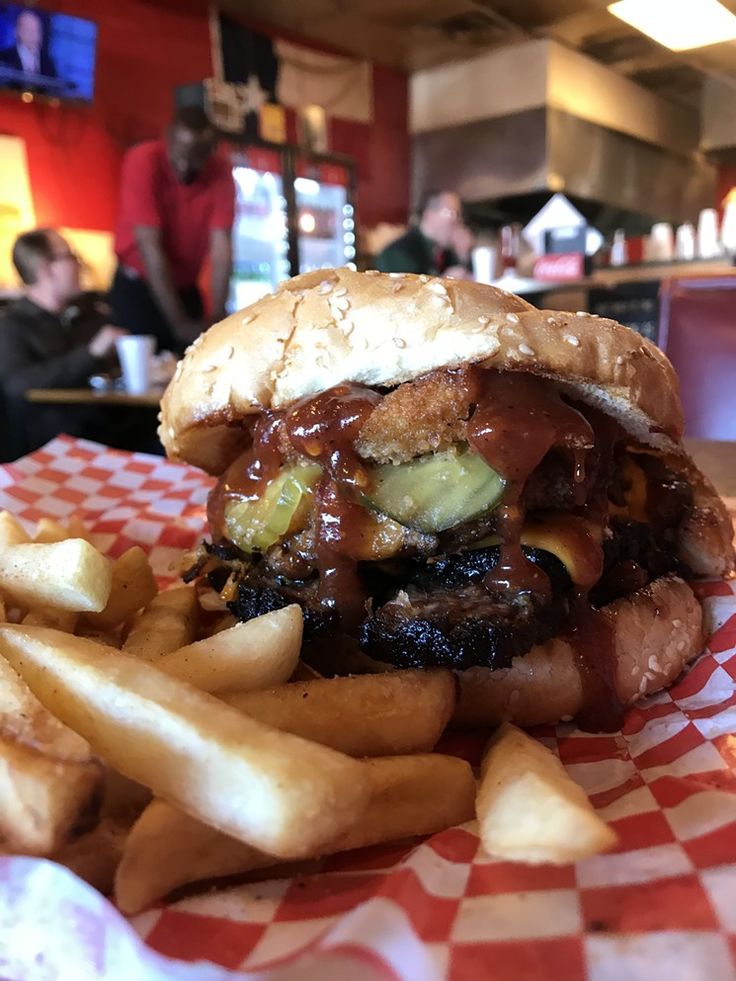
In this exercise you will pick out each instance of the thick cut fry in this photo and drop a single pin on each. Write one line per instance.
(168, 623)
(529, 810)
(271, 789)
(47, 772)
(305, 672)
(46, 617)
(70, 575)
(49, 531)
(367, 715)
(409, 795)
(133, 585)
(262, 652)
(11, 531)
(78, 529)
(95, 856)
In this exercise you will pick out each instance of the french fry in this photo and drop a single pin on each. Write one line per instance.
(47, 772)
(46, 617)
(167, 623)
(49, 530)
(409, 795)
(133, 586)
(273, 790)
(305, 672)
(366, 715)
(257, 654)
(530, 810)
(95, 856)
(78, 529)
(11, 531)
(69, 575)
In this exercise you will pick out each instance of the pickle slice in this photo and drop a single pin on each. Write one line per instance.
(437, 491)
(255, 526)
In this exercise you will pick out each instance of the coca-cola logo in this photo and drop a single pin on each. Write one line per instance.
(559, 266)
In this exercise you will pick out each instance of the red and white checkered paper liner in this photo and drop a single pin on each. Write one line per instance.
(663, 905)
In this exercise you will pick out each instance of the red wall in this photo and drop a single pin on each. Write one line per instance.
(145, 49)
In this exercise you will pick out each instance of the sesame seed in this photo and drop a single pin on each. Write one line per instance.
(572, 339)
(528, 351)
(395, 287)
(324, 288)
(372, 272)
(342, 291)
(321, 362)
(210, 367)
(582, 313)
(513, 318)
(507, 331)
(653, 663)
(483, 319)
(551, 320)
(347, 327)
(437, 287)
(397, 275)
(342, 303)
(399, 342)
(676, 623)
(229, 351)
(620, 359)
(247, 319)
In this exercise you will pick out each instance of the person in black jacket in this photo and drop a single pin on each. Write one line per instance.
(45, 342)
(430, 246)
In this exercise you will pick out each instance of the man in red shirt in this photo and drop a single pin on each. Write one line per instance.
(176, 207)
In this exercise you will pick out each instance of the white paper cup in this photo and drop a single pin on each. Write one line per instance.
(134, 354)
(484, 264)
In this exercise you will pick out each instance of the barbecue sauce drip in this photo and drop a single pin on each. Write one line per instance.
(247, 476)
(592, 638)
(518, 419)
(325, 428)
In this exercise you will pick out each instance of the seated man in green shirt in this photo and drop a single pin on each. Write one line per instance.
(428, 246)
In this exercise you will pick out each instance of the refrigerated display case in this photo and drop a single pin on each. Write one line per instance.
(260, 231)
(325, 212)
(294, 213)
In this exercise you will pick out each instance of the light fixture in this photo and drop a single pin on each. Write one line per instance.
(307, 222)
(678, 24)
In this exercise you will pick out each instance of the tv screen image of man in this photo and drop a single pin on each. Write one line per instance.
(27, 63)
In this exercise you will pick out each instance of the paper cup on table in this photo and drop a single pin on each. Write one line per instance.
(135, 353)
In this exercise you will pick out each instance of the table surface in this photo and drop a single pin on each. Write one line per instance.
(90, 396)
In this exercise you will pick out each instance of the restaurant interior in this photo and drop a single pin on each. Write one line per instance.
(591, 147)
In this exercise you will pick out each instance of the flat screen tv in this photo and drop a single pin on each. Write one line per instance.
(47, 53)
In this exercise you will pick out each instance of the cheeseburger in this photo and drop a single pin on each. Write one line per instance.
(440, 474)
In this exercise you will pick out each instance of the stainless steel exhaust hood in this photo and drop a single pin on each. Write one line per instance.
(539, 117)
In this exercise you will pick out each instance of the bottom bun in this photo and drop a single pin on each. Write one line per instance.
(656, 632)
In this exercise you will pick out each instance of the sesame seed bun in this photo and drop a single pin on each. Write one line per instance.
(336, 325)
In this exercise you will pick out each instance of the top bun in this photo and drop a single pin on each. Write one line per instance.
(335, 325)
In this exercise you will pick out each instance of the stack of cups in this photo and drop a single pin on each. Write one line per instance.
(661, 243)
(709, 243)
(728, 228)
(685, 242)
